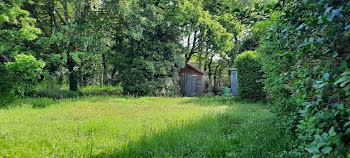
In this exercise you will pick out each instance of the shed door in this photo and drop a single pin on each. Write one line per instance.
(191, 85)
(199, 86)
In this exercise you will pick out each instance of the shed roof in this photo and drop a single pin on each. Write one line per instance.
(195, 69)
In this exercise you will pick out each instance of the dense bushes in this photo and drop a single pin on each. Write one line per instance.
(5, 89)
(306, 60)
(150, 59)
(25, 72)
(18, 72)
(56, 93)
(39, 102)
(20, 75)
(249, 76)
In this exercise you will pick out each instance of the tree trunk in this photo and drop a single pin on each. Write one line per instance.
(208, 67)
(200, 57)
(215, 88)
(73, 77)
(215, 85)
(81, 73)
(193, 49)
(200, 60)
(65, 10)
(105, 70)
(114, 71)
(209, 75)
(51, 13)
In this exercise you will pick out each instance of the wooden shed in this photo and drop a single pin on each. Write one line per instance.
(192, 81)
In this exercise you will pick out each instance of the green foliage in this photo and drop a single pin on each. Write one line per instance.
(72, 34)
(149, 57)
(276, 85)
(19, 77)
(16, 27)
(211, 26)
(249, 76)
(306, 61)
(50, 88)
(56, 93)
(39, 102)
(6, 86)
(25, 72)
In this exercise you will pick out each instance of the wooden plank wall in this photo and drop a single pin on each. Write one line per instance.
(191, 83)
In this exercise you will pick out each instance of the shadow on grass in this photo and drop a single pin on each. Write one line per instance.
(231, 134)
(33, 102)
(218, 101)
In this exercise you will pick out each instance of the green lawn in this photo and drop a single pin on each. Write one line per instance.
(140, 127)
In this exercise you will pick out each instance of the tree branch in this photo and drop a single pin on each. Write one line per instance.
(59, 15)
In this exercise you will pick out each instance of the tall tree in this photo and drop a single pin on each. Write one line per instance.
(17, 70)
(74, 30)
(148, 47)
(16, 29)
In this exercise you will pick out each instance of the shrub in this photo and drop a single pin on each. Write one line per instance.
(32, 102)
(41, 102)
(18, 77)
(56, 93)
(306, 60)
(151, 59)
(25, 72)
(249, 76)
(6, 85)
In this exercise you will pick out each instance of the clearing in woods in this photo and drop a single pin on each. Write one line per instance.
(140, 127)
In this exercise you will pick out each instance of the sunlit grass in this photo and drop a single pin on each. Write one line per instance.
(138, 127)
(101, 90)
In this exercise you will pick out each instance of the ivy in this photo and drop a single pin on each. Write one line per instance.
(306, 62)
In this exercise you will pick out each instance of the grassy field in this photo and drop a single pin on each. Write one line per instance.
(139, 127)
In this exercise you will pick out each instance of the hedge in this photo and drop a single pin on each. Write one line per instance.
(249, 76)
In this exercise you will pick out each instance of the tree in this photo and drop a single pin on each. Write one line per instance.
(202, 31)
(74, 31)
(17, 71)
(16, 29)
(148, 51)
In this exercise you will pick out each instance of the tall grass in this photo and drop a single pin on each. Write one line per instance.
(101, 90)
(140, 127)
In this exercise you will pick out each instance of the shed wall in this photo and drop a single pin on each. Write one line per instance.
(185, 74)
